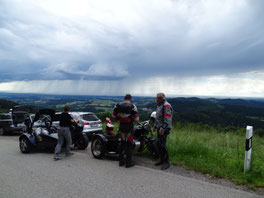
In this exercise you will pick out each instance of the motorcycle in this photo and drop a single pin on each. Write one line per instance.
(46, 135)
(141, 133)
(107, 144)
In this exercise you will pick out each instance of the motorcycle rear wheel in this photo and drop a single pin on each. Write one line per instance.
(82, 142)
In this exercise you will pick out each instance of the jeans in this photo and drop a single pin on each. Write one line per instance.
(63, 134)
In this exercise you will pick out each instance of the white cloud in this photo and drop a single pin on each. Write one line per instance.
(184, 42)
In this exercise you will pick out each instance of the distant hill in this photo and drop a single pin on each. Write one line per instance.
(219, 112)
(5, 105)
(209, 111)
(240, 102)
(238, 106)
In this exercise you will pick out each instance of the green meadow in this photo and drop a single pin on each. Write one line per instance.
(220, 154)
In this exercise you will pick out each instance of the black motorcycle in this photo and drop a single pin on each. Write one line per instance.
(45, 135)
(103, 144)
(141, 134)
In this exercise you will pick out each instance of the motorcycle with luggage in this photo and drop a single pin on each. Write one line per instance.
(44, 135)
(108, 143)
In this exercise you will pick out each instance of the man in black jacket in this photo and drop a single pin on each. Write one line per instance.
(127, 115)
(64, 133)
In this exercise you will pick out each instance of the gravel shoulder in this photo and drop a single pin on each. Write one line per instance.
(178, 170)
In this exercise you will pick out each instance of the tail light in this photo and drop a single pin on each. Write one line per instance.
(86, 123)
(100, 122)
(9, 122)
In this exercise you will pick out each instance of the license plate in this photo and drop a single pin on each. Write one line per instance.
(94, 125)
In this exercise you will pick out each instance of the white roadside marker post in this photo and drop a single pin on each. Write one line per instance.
(249, 134)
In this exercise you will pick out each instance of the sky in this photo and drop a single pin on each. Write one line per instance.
(102, 47)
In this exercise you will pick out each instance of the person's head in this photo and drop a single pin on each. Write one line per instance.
(128, 97)
(66, 108)
(160, 97)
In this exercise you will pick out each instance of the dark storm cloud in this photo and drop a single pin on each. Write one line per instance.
(58, 40)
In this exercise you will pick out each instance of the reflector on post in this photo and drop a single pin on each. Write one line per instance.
(248, 148)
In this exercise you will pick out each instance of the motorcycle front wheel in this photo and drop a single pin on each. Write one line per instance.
(2, 132)
(24, 145)
(97, 148)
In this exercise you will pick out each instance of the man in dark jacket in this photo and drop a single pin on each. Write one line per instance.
(127, 115)
(163, 125)
(64, 133)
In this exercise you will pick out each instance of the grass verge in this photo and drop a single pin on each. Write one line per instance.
(218, 154)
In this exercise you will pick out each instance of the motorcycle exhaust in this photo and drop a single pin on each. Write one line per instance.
(136, 145)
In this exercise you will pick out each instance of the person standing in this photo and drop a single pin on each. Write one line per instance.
(163, 125)
(64, 134)
(127, 114)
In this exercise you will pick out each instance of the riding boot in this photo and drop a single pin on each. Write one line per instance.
(121, 153)
(128, 151)
(161, 159)
(161, 154)
(166, 163)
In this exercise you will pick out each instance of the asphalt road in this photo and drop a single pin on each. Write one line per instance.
(38, 175)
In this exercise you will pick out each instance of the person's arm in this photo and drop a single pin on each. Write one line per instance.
(135, 114)
(115, 113)
(72, 121)
(167, 110)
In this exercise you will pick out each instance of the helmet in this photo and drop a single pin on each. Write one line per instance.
(153, 116)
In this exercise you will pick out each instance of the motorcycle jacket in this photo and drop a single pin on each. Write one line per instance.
(164, 113)
(126, 113)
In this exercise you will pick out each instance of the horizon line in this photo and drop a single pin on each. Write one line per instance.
(169, 96)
